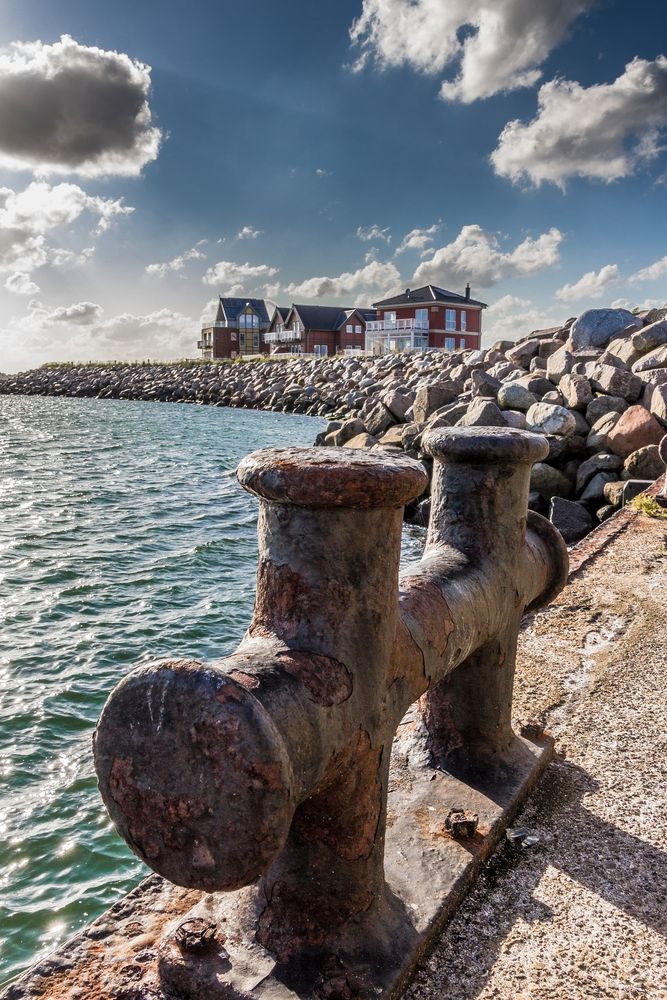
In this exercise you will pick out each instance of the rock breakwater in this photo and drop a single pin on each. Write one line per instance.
(596, 387)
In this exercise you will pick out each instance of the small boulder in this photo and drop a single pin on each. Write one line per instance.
(654, 359)
(658, 405)
(559, 364)
(602, 462)
(595, 488)
(515, 418)
(546, 418)
(598, 439)
(482, 413)
(572, 520)
(576, 391)
(515, 397)
(596, 327)
(645, 463)
(605, 404)
(549, 482)
(361, 441)
(616, 382)
(431, 397)
(634, 429)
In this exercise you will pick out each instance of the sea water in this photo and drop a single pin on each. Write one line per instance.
(124, 536)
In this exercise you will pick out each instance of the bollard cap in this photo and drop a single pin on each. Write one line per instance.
(194, 775)
(332, 477)
(485, 445)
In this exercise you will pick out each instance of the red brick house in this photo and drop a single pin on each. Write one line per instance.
(318, 330)
(238, 328)
(425, 317)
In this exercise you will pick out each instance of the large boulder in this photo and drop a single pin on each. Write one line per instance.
(398, 403)
(634, 429)
(596, 327)
(652, 336)
(659, 404)
(482, 413)
(616, 382)
(605, 404)
(431, 397)
(361, 441)
(598, 439)
(602, 462)
(559, 364)
(523, 352)
(654, 359)
(547, 418)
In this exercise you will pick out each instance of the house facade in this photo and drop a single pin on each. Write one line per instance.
(427, 317)
(318, 330)
(239, 328)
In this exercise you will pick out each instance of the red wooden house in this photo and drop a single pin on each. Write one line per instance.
(425, 317)
(318, 330)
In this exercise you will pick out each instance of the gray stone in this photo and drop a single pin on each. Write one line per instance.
(546, 418)
(553, 397)
(616, 382)
(644, 463)
(348, 430)
(482, 413)
(431, 397)
(656, 358)
(549, 482)
(602, 462)
(652, 336)
(378, 419)
(596, 327)
(361, 441)
(658, 405)
(613, 492)
(576, 391)
(515, 418)
(572, 520)
(594, 489)
(398, 403)
(605, 404)
(485, 385)
(523, 352)
(598, 438)
(512, 396)
(559, 364)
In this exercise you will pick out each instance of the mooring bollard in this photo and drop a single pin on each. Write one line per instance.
(263, 778)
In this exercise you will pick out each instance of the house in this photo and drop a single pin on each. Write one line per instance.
(238, 328)
(318, 330)
(425, 317)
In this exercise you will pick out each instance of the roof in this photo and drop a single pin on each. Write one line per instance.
(326, 318)
(281, 312)
(427, 293)
(232, 307)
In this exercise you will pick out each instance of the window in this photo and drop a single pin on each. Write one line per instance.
(450, 343)
(450, 319)
(357, 329)
(462, 342)
(255, 339)
(390, 319)
(320, 350)
(464, 317)
(249, 321)
(421, 319)
(349, 328)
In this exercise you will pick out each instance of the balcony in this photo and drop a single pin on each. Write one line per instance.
(390, 326)
(282, 336)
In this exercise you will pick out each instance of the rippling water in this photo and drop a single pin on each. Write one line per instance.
(123, 536)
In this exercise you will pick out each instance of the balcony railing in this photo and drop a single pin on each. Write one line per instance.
(282, 336)
(388, 325)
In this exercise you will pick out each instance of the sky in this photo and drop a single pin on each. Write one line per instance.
(157, 154)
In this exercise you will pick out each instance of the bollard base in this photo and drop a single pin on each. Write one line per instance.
(133, 952)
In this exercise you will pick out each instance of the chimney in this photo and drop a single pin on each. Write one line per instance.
(468, 292)
(407, 293)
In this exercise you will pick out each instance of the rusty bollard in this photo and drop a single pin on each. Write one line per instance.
(262, 778)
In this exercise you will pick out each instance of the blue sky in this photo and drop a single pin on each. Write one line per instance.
(263, 150)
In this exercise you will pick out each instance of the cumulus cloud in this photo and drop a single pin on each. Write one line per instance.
(71, 108)
(368, 233)
(80, 332)
(512, 317)
(320, 172)
(233, 277)
(248, 233)
(604, 132)
(20, 283)
(591, 285)
(417, 239)
(631, 304)
(373, 278)
(477, 256)
(658, 269)
(177, 264)
(496, 45)
(27, 217)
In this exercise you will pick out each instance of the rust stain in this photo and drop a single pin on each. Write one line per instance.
(327, 681)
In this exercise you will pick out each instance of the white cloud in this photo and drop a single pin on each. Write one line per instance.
(247, 233)
(477, 256)
(80, 332)
(591, 285)
(368, 233)
(374, 278)
(604, 132)
(177, 264)
(631, 304)
(512, 317)
(233, 277)
(497, 45)
(71, 108)
(658, 269)
(322, 173)
(27, 217)
(20, 283)
(61, 257)
(417, 239)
